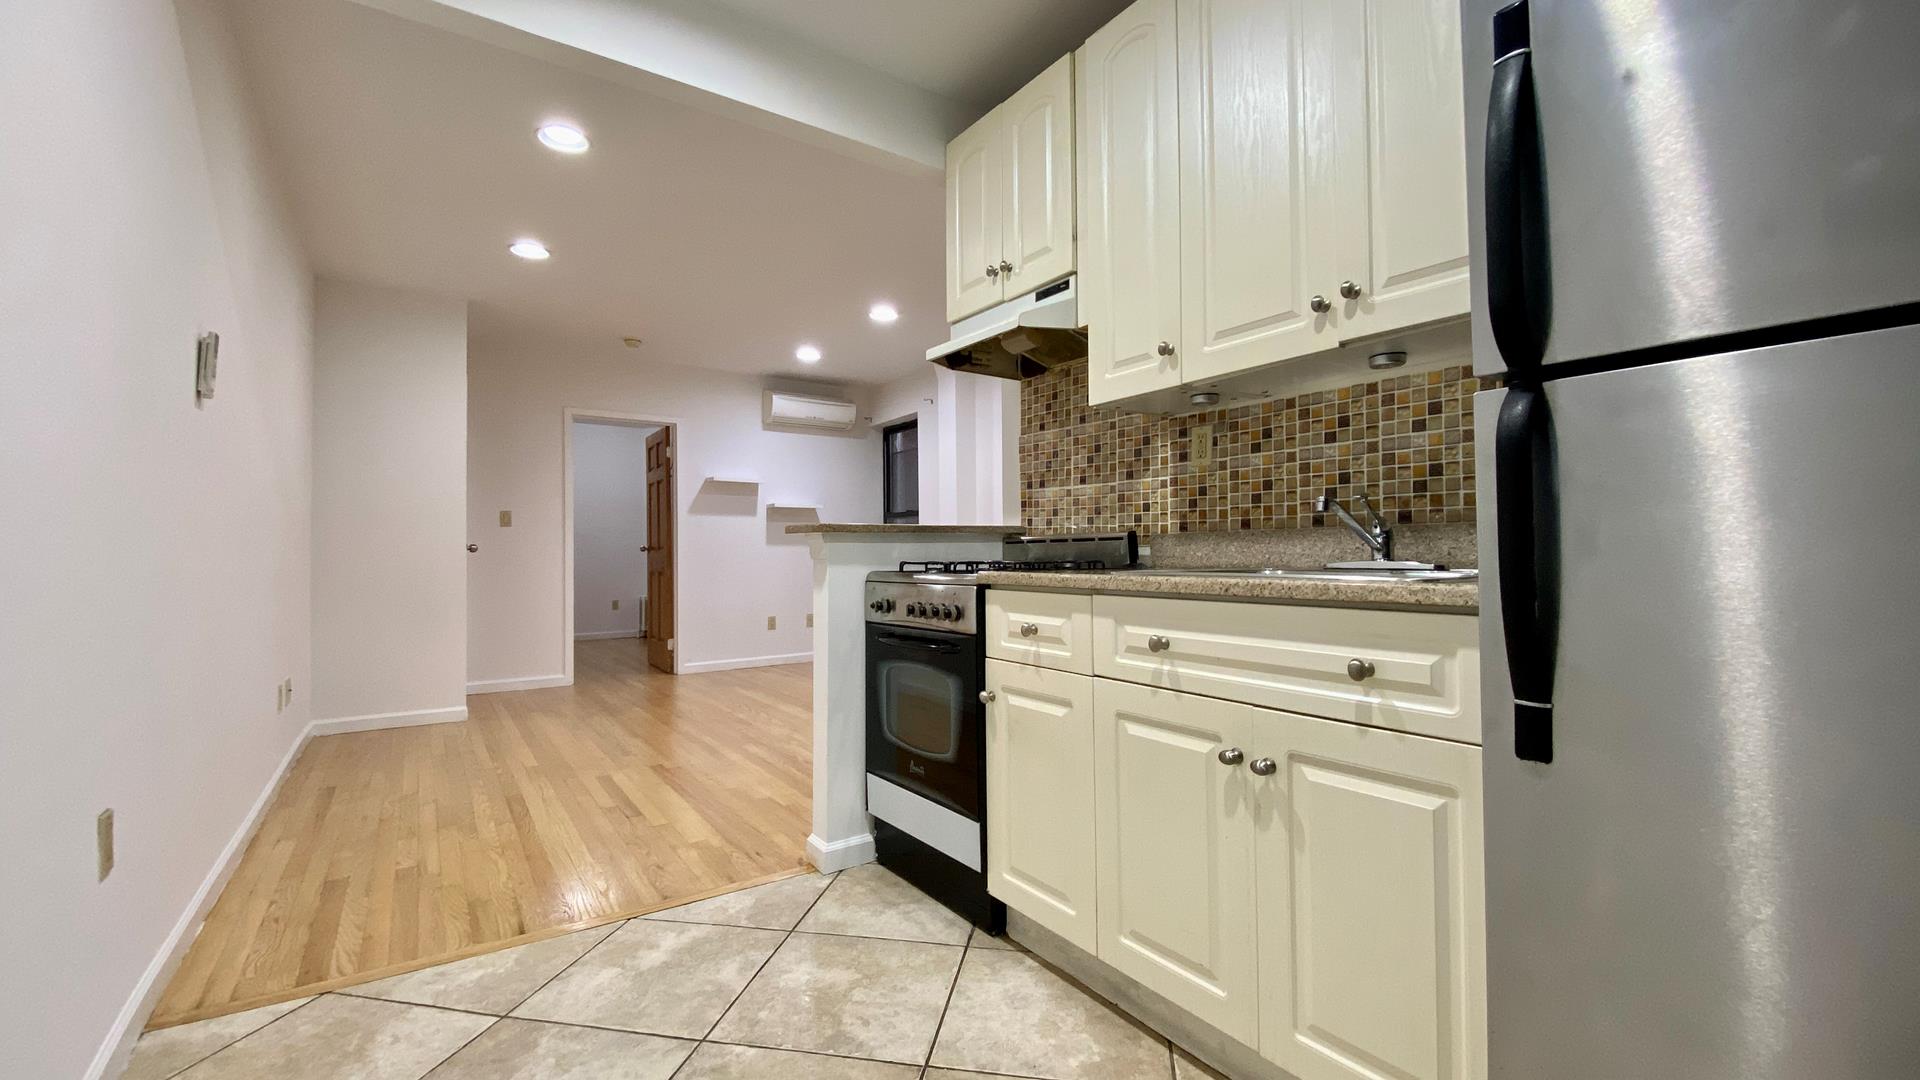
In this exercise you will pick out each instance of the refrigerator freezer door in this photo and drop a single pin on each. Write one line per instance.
(1710, 166)
(1717, 877)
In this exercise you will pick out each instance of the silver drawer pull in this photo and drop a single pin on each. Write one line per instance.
(1231, 756)
(987, 696)
(1264, 766)
(1028, 629)
(1359, 670)
(1158, 643)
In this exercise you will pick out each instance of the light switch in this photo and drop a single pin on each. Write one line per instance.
(506, 518)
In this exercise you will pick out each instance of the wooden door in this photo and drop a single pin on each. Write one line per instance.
(976, 174)
(1397, 105)
(1371, 900)
(1040, 835)
(1130, 233)
(1252, 244)
(1176, 892)
(659, 606)
(1039, 222)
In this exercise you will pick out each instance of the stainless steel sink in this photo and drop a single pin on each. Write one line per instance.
(1355, 573)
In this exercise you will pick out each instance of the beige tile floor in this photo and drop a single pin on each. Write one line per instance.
(853, 977)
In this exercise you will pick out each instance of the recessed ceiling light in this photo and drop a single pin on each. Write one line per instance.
(883, 313)
(807, 354)
(563, 137)
(529, 249)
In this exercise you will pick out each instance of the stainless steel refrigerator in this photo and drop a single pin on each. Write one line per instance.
(1696, 264)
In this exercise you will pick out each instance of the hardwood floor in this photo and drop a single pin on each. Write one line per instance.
(547, 810)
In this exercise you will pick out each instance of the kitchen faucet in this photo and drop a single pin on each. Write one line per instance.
(1378, 538)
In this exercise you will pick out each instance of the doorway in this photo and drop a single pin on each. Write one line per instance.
(620, 524)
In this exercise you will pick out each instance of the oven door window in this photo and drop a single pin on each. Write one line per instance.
(920, 708)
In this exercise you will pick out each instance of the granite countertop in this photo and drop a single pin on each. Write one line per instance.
(1462, 597)
(836, 528)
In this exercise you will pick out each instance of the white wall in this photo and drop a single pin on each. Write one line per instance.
(609, 527)
(736, 566)
(969, 443)
(153, 553)
(389, 493)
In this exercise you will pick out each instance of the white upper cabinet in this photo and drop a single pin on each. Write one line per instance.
(975, 176)
(1010, 192)
(1264, 180)
(1249, 241)
(1402, 190)
(1130, 277)
(1039, 187)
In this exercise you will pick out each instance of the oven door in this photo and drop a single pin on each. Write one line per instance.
(925, 723)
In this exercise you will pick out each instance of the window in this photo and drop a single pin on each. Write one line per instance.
(900, 449)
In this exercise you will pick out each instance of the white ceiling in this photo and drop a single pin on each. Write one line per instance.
(409, 155)
(972, 51)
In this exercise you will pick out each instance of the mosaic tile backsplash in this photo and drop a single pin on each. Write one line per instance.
(1407, 441)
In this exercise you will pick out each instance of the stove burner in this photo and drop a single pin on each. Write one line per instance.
(975, 566)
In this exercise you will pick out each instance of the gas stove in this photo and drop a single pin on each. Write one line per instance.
(944, 595)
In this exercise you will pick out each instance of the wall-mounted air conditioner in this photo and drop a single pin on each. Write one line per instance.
(800, 412)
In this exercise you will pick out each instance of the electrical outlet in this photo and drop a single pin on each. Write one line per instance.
(770, 621)
(506, 518)
(616, 605)
(103, 842)
(1200, 448)
(809, 620)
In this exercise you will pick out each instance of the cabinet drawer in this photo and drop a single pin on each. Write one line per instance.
(1419, 672)
(1044, 629)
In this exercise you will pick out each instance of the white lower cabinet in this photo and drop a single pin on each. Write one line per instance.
(1371, 924)
(1310, 887)
(1175, 842)
(1040, 798)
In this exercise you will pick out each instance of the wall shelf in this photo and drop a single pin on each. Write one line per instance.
(792, 508)
(732, 481)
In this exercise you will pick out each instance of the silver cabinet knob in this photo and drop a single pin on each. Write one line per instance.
(471, 548)
(1165, 348)
(987, 696)
(1359, 670)
(993, 271)
(1231, 756)
(1350, 290)
(1028, 629)
(1263, 766)
(1006, 267)
(1158, 643)
(1320, 305)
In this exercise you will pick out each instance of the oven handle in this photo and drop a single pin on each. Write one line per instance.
(918, 643)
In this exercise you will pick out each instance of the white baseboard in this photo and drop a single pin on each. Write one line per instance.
(115, 1051)
(746, 662)
(533, 682)
(831, 857)
(378, 721)
(606, 635)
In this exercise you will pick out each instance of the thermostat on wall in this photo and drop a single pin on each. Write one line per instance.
(206, 362)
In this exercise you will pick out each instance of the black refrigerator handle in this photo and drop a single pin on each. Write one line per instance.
(1526, 522)
(1518, 305)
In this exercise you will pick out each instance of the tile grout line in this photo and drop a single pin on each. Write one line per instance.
(771, 953)
(591, 949)
(197, 1062)
(491, 1024)
(966, 948)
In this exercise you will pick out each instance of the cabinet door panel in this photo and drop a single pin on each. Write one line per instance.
(1039, 224)
(1247, 219)
(1130, 248)
(1371, 903)
(1400, 114)
(975, 177)
(1040, 797)
(1176, 891)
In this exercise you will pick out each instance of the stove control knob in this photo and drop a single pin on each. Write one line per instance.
(946, 612)
(916, 610)
(878, 605)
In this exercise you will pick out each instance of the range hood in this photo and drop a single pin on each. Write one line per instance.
(1020, 338)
